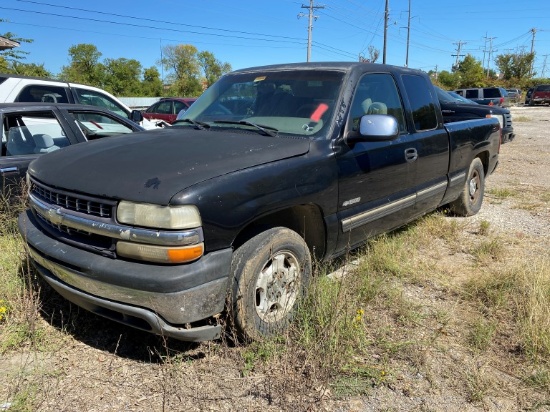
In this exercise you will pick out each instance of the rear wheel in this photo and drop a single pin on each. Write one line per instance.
(470, 200)
(270, 274)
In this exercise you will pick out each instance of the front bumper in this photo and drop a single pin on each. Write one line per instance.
(508, 134)
(160, 299)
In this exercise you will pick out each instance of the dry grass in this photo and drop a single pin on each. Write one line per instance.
(418, 307)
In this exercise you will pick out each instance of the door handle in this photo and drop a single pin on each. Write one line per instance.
(8, 169)
(411, 155)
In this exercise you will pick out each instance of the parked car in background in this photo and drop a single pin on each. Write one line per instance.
(492, 96)
(14, 88)
(32, 129)
(514, 95)
(168, 108)
(528, 95)
(455, 108)
(540, 95)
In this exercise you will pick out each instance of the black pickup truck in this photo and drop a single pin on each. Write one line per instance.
(456, 108)
(223, 213)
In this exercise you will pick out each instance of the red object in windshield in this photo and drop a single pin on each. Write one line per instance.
(318, 113)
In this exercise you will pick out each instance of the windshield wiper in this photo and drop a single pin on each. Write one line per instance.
(198, 125)
(267, 130)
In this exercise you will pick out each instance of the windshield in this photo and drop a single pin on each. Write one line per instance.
(298, 102)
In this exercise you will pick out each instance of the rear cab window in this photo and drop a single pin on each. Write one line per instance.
(421, 101)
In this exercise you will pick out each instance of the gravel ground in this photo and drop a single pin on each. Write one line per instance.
(524, 168)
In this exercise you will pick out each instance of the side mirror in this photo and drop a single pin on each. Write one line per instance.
(375, 128)
(136, 116)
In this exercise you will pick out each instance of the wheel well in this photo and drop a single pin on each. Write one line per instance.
(484, 157)
(306, 220)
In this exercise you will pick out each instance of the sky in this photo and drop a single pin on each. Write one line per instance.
(247, 33)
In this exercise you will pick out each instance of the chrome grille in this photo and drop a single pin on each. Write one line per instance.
(507, 120)
(72, 201)
(62, 228)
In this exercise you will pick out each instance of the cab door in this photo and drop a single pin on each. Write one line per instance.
(431, 143)
(25, 136)
(376, 187)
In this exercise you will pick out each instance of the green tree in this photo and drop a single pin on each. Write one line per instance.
(181, 63)
(515, 66)
(189, 71)
(211, 67)
(29, 69)
(470, 72)
(448, 80)
(10, 58)
(122, 77)
(84, 66)
(152, 83)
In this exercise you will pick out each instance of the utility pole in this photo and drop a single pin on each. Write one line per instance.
(544, 66)
(386, 16)
(490, 54)
(484, 50)
(311, 17)
(459, 45)
(534, 31)
(408, 36)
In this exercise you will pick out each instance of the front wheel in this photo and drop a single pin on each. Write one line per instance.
(470, 200)
(270, 274)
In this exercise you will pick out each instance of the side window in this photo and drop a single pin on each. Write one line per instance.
(34, 134)
(152, 108)
(179, 106)
(41, 93)
(376, 94)
(422, 102)
(472, 94)
(491, 93)
(164, 107)
(95, 98)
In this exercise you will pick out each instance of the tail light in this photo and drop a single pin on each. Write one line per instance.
(501, 101)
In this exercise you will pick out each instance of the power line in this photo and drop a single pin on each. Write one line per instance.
(140, 19)
(272, 38)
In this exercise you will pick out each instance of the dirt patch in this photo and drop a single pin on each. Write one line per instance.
(93, 364)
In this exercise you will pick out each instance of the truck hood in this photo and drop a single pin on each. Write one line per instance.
(153, 166)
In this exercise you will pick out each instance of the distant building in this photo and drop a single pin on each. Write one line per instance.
(6, 44)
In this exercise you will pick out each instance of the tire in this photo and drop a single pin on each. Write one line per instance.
(470, 200)
(270, 274)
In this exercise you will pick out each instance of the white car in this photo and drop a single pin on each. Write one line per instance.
(15, 88)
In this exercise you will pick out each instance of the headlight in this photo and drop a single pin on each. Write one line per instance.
(499, 117)
(159, 217)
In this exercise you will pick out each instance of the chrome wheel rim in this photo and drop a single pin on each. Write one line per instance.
(277, 287)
